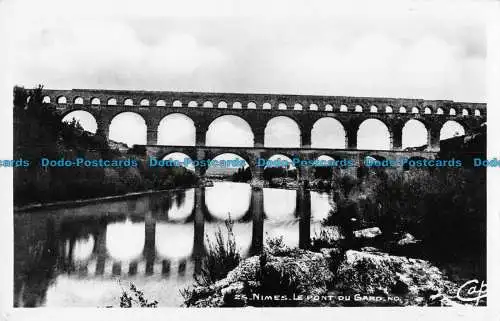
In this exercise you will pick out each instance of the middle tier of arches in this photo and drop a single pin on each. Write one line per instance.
(182, 129)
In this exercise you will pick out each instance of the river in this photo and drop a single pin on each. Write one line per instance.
(84, 256)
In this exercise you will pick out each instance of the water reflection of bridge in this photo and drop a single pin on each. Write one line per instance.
(152, 244)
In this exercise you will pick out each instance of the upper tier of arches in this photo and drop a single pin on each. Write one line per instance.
(291, 103)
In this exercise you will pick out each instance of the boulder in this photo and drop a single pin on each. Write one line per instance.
(370, 249)
(299, 272)
(367, 233)
(413, 281)
(377, 276)
(407, 239)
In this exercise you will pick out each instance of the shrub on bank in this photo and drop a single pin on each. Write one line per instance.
(135, 298)
(445, 207)
(222, 256)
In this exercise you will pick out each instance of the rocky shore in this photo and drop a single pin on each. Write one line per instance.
(329, 277)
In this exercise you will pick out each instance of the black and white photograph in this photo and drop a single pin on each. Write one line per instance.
(249, 155)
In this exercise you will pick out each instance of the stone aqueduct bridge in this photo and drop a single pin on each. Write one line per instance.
(258, 109)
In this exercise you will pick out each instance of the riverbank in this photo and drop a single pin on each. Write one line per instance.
(359, 268)
(330, 277)
(86, 201)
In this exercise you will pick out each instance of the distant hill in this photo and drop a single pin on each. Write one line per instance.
(224, 171)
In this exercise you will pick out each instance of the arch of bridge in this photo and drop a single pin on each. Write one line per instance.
(258, 119)
(152, 97)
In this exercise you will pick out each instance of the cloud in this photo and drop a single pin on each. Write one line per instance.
(405, 53)
(92, 53)
(426, 51)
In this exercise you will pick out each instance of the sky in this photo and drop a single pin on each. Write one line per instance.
(295, 47)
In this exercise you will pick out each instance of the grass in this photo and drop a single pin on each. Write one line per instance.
(326, 238)
(222, 256)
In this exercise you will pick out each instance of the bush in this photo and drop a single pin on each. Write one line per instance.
(276, 247)
(326, 238)
(274, 280)
(222, 257)
(438, 206)
(135, 299)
